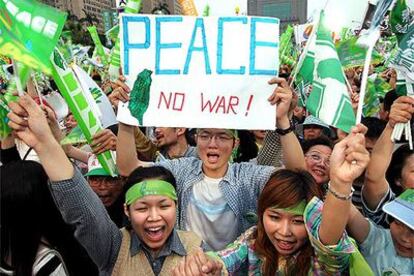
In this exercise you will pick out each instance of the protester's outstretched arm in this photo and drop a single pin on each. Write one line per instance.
(348, 160)
(31, 126)
(358, 225)
(376, 185)
(126, 156)
(144, 146)
(79, 205)
(271, 152)
(292, 152)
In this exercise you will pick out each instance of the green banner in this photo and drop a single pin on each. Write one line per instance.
(352, 55)
(29, 32)
(98, 44)
(77, 101)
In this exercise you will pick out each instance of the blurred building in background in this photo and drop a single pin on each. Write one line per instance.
(288, 11)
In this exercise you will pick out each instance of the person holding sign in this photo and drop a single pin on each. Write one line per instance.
(218, 200)
(150, 245)
(295, 235)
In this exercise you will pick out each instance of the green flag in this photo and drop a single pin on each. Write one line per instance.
(133, 6)
(404, 58)
(351, 55)
(376, 89)
(29, 32)
(400, 19)
(329, 99)
(98, 44)
(80, 105)
(74, 137)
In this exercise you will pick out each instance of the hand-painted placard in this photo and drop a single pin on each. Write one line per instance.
(200, 71)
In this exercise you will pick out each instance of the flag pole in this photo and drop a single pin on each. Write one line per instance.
(305, 50)
(369, 40)
(17, 79)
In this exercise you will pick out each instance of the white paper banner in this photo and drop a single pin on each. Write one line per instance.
(207, 72)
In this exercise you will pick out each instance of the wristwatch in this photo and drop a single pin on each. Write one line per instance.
(285, 131)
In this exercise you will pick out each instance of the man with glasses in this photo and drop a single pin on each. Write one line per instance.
(217, 198)
(108, 189)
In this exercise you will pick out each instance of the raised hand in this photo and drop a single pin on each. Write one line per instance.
(29, 122)
(282, 96)
(401, 110)
(349, 157)
(120, 92)
(103, 140)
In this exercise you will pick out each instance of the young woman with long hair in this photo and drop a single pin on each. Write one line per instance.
(294, 234)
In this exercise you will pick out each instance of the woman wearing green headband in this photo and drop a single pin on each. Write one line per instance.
(150, 246)
(294, 234)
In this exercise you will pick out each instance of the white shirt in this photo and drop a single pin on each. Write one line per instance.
(210, 216)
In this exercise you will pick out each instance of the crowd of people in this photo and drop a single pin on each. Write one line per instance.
(304, 199)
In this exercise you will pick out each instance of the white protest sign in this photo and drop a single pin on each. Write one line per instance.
(206, 71)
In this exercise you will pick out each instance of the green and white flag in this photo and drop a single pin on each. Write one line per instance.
(29, 32)
(400, 19)
(133, 6)
(79, 102)
(404, 58)
(329, 99)
(106, 112)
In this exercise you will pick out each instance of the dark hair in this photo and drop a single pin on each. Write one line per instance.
(29, 214)
(285, 188)
(375, 126)
(389, 99)
(143, 173)
(398, 161)
(190, 136)
(247, 149)
(321, 140)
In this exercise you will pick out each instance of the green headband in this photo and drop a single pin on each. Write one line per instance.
(150, 187)
(298, 209)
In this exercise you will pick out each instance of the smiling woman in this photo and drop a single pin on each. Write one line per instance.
(285, 241)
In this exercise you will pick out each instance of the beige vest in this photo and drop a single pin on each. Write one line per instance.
(126, 265)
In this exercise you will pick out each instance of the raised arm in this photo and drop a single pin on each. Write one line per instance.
(31, 126)
(291, 150)
(376, 185)
(126, 156)
(78, 204)
(348, 160)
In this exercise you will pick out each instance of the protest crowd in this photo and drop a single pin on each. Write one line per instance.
(104, 172)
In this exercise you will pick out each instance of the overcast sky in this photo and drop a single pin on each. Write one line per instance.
(343, 12)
